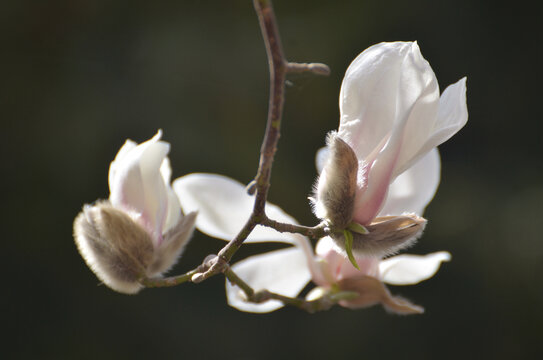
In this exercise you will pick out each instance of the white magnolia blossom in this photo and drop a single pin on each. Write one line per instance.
(391, 116)
(224, 206)
(140, 231)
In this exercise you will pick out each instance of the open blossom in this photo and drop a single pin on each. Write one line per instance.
(224, 206)
(140, 231)
(392, 116)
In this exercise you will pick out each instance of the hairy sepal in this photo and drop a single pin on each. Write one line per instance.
(386, 236)
(335, 191)
(115, 247)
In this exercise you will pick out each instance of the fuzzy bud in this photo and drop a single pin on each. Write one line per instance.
(336, 188)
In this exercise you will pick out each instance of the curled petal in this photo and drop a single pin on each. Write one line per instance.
(411, 269)
(371, 292)
(413, 190)
(451, 116)
(224, 207)
(282, 271)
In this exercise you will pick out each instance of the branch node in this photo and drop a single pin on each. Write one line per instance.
(314, 68)
(251, 188)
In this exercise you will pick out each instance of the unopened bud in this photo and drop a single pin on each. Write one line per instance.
(120, 251)
(117, 249)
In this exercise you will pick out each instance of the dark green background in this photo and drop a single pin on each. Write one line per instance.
(79, 77)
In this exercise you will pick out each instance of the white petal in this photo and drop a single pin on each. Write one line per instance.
(414, 188)
(411, 269)
(419, 93)
(166, 171)
(136, 184)
(452, 115)
(387, 86)
(283, 271)
(320, 158)
(224, 206)
(368, 96)
(125, 149)
(453, 112)
(173, 212)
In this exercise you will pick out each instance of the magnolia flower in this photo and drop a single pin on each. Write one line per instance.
(338, 273)
(224, 206)
(140, 231)
(391, 117)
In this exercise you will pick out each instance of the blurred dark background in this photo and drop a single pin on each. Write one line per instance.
(79, 77)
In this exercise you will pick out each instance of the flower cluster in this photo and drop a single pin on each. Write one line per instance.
(377, 173)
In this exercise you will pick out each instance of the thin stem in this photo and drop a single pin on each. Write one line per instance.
(328, 299)
(236, 280)
(169, 281)
(278, 72)
(279, 67)
(315, 232)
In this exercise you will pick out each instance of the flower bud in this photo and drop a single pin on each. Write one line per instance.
(117, 249)
(140, 231)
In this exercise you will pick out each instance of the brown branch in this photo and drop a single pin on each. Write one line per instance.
(279, 67)
(278, 71)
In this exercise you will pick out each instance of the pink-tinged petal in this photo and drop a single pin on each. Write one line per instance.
(389, 102)
(224, 207)
(413, 190)
(372, 292)
(137, 186)
(283, 271)
(411, 269)
(334, 266)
